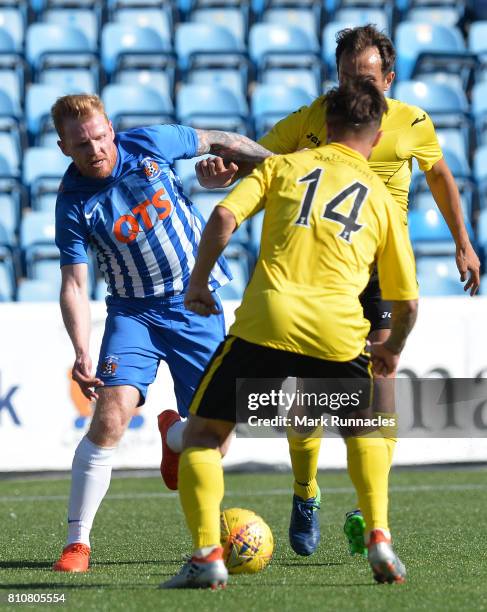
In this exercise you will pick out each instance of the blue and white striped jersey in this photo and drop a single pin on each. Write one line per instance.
(144, 230)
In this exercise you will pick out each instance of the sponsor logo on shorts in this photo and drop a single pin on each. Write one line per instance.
(109, 365)
(151, 169)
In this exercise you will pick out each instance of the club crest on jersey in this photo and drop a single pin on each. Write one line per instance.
(109, 365)
(151, 168)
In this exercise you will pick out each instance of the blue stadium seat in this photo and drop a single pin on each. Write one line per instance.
(425, 48)
(361, 16)
(46, 269)
(206, 201)
(230, 18)
(230, 78)
(155, 79)
(144, 17)
(9, 150)
(438, 276)
(479, 110)
(429, 232)
(30, 290)
(130, 46)
(82, 19)
(12, 22)
(200, 45)
(57, 45)
(7, 43)
(9, 216)
(37, 232)
(272, 45)
(480, 166)
(43, 170)
(482, 229)
(7, 278)
(211, 107)
(270, 103)
(12, 84)
(293, 77)
(38, 102)
(294, 16)
(70, 79)
(441, 15)
(135, 106)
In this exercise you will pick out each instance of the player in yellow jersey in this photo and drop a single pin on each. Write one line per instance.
(407, 133)
(328, 218)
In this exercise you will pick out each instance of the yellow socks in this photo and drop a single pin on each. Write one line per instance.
(368, 466)
(389, 433)
(304, 459)
(201, 488)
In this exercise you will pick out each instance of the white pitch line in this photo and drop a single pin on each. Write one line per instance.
(271, 492)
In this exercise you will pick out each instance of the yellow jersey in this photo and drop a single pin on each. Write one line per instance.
(327, 219)
(407, 132)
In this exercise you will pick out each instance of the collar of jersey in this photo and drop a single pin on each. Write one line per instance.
(348, 151)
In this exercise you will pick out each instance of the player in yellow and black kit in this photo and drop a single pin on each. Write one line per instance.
(407, 133)
(328, 218)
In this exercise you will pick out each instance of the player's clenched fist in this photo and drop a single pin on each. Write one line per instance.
(214, 172)
(200, 301)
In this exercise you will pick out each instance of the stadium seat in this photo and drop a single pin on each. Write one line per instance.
(53, 44)
(37, 233)
(361, 16)
(9, 150)
(442, 15)
(12, 23)
(480, 173)
(231, 18)
(272, 45)
(135, 106)
(7, 278)
(294, 16)
(9, 217)
(42, 162)
(126, 45)
(425, 48)
(230, 78)
(479, 110)
(159, 80)
(143, 17)
(303, 78)
(482, 229)
(438, 276)
(84, 20)
(70, 79)
(270, 103)
(200, 45)
(7, 43)
(211, 107)
(11, 82)
(205, 201)
(38, 102)
(30, 290)
(429, 233)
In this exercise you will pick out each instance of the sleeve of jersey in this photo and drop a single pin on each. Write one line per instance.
(71, 233)
(174, 141)
(249, 196)
(395, 258)
(425, 146)
(285, 135)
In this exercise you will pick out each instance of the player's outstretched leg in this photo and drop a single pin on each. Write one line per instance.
(354, 529)
(170, 455)
(386, 565)
(201, 573)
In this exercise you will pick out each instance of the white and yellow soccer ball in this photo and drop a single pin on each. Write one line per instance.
(246, 540)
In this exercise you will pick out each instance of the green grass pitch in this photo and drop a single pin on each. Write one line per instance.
(438, 520)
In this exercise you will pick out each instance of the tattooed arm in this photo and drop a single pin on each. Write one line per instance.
(385, 355)
(230, 145)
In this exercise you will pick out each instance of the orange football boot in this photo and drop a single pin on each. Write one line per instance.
(74, 558)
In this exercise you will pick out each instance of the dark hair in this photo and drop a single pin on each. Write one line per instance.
(356, 40)
(355, 105)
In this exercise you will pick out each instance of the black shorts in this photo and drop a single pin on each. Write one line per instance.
(376, 310)
(216, 395)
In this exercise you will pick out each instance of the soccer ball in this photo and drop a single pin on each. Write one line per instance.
(247, 541)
